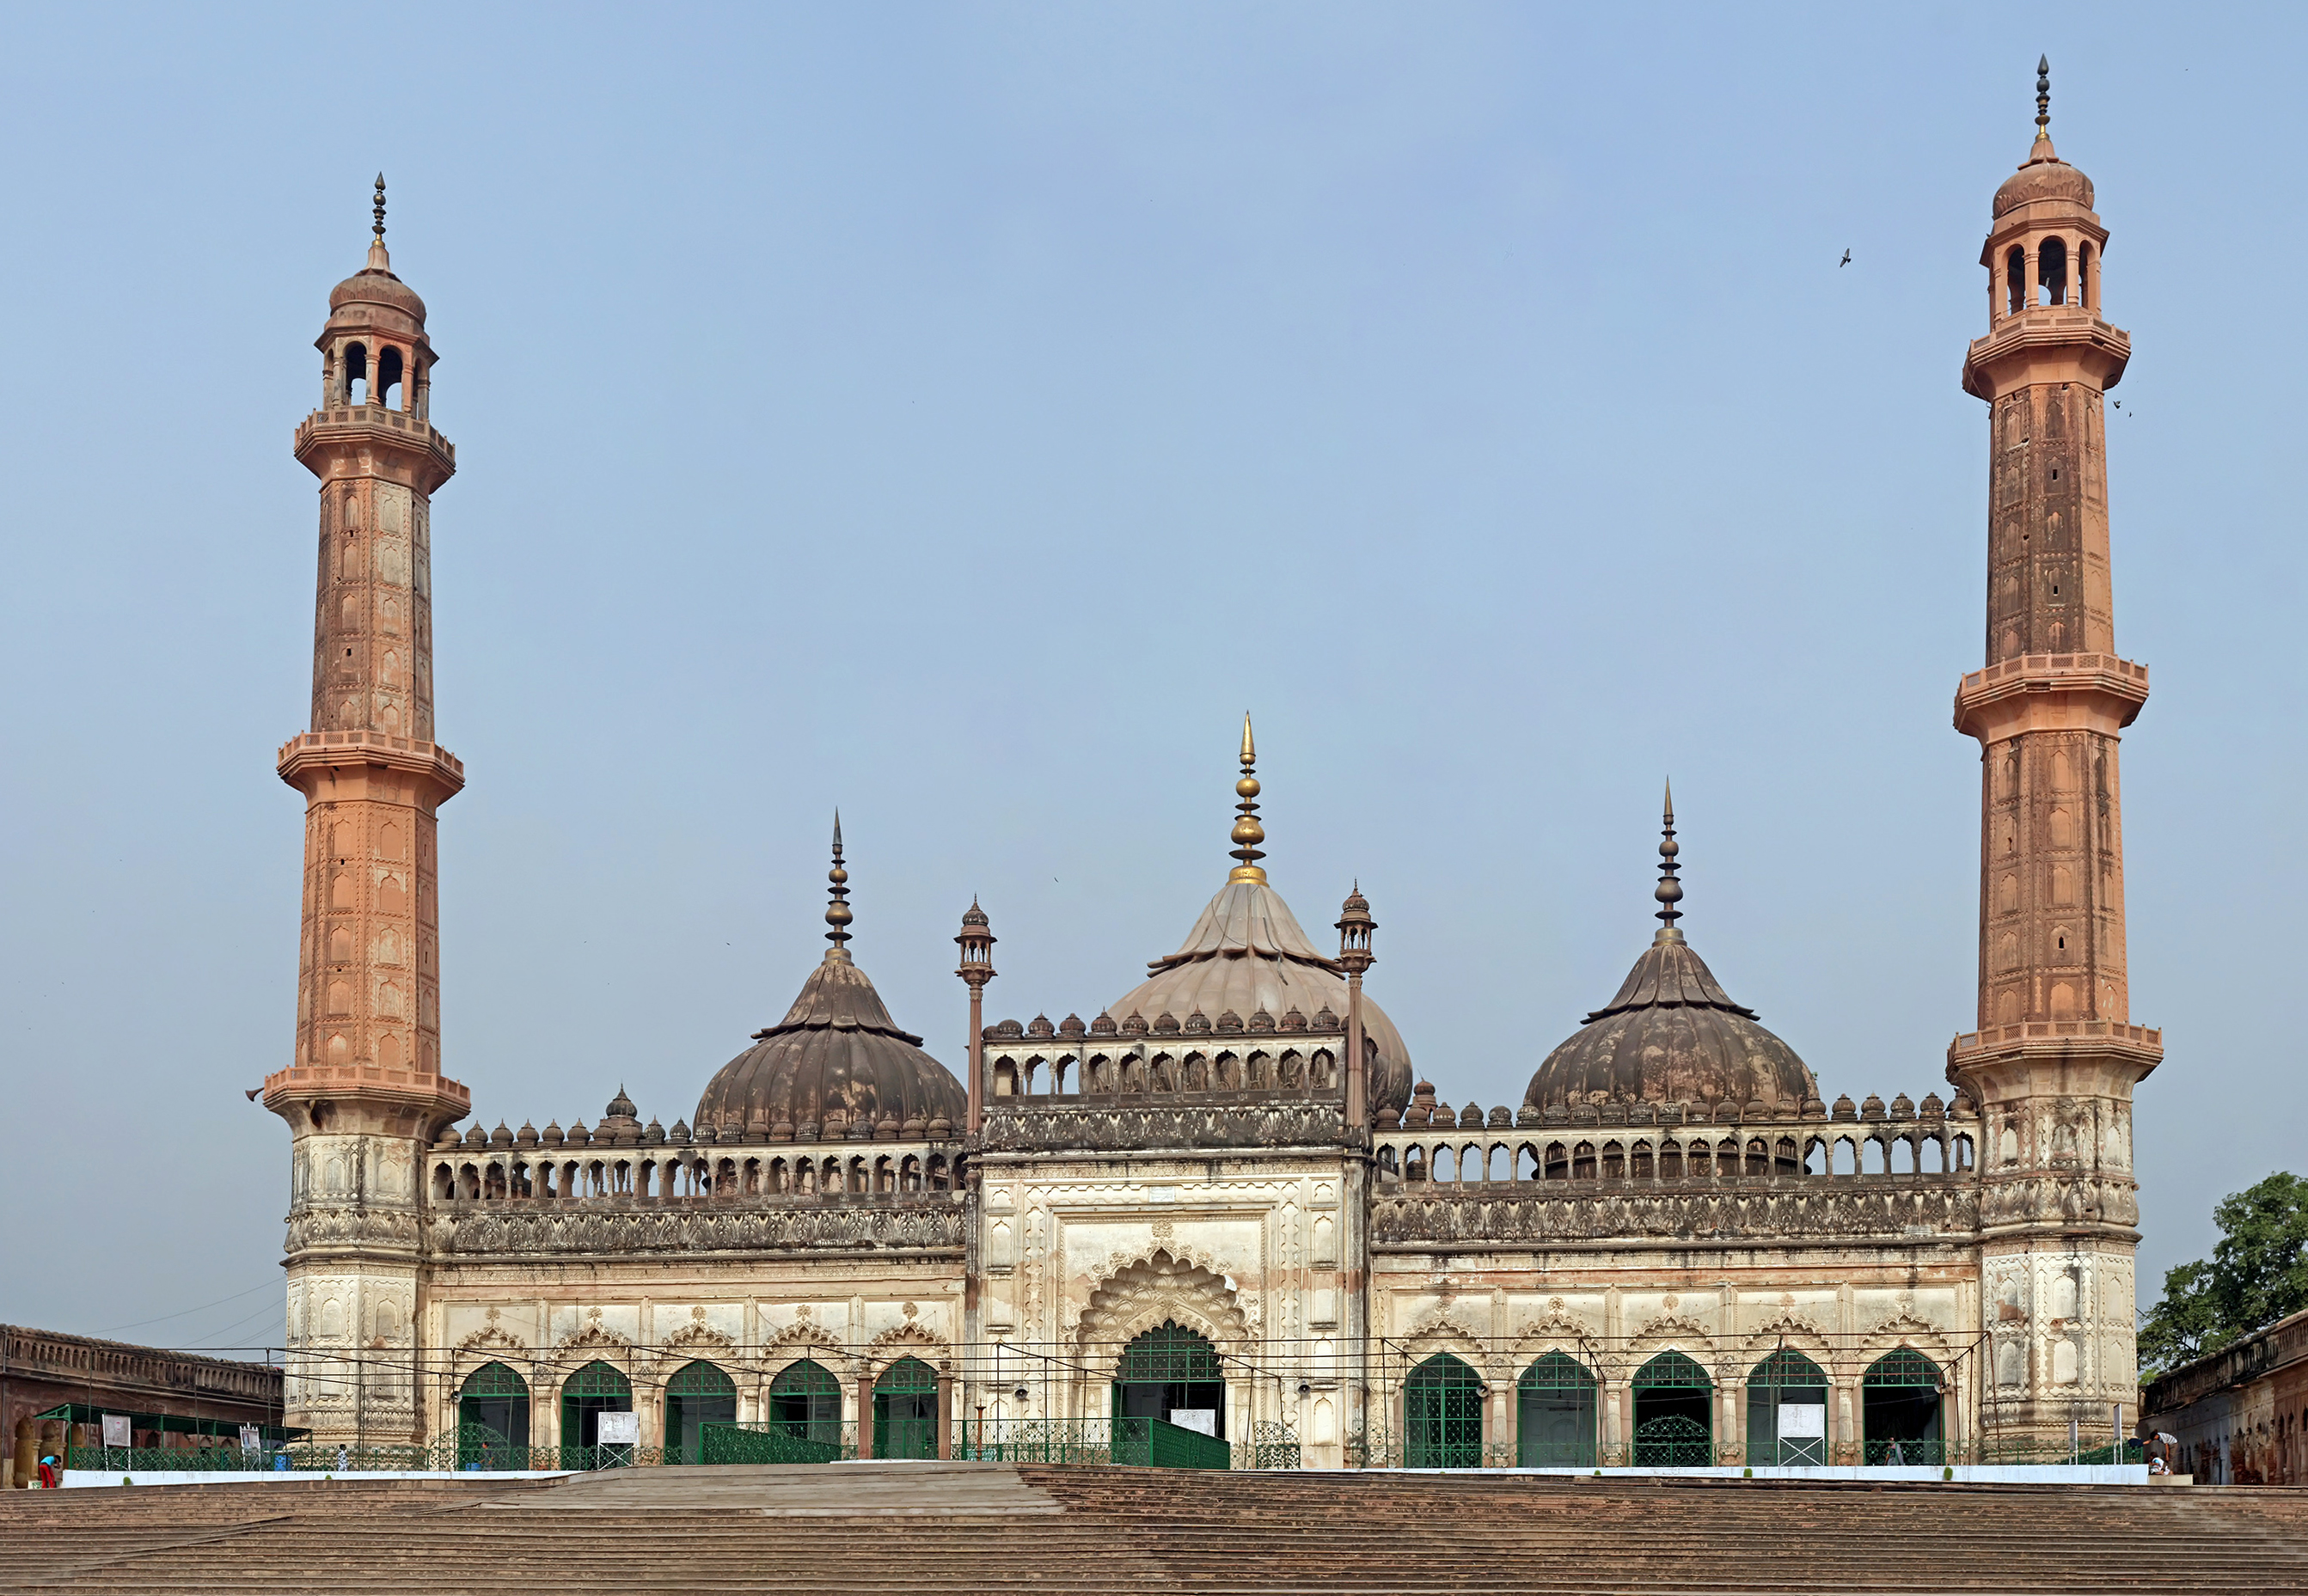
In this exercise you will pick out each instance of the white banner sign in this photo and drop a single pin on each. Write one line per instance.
(116, 1430)
(250, 1440)
(617, 1430)
(1804, 1422)
(1202, 1419)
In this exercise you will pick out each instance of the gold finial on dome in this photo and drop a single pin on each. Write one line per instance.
(836, 913)
(2043, 97)
(378, 260)
(1247, 832)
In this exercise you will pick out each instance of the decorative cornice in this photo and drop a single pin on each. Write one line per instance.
(1927, 1212)
(310, 751)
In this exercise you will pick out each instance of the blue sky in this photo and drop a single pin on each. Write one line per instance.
(962, 413)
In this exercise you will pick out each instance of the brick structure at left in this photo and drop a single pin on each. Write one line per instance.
(364, 1092)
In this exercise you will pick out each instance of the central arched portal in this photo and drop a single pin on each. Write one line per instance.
(1172, 1373)
(904, 1411)
(1674, 1421)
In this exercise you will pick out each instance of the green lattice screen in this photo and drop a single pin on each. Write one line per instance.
(494, 1379)
(1555, 1414)
(1785, 1369)
(1170, 1354)
(805, 1401)
(1557, 1372)
(597, 1380)
(1905, 1367)
(701, 1379)
(1672, 1371)
(904, 1411)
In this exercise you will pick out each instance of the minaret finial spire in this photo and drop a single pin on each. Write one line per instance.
(2043, 97)
(1247, 832)
(1669, 891)
(379, 208)
(837, 912)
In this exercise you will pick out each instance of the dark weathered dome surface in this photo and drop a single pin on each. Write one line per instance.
(1671, 1035)
(837, 1051)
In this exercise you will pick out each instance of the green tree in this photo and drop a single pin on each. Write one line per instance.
(2258, 1273)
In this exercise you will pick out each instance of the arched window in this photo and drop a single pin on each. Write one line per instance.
(1786, 1411)
(806, 1403)
(904, 1411)
(1172, 1373)
(2051, 270)
(388, 375)
(2015, 281)
(492, 1419)
(1443, 1415)
(2087, 293)
(1902, 1390)
(1555, 1414)
(698, 1394)
(356, 374)
(592, 1391)
(1674, 1414)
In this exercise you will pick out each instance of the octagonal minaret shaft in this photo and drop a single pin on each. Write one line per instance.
(2054, 1062)
(363, 1090)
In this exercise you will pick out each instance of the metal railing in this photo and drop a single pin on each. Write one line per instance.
(777, 1442)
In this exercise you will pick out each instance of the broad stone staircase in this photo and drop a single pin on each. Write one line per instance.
(926, 1527)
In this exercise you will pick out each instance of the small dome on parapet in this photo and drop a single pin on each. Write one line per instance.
(1962, 1107)
(1471, 1117)
(579, 1137)
(681, 1132)
(1260, 1023)
(1873, 1108)
(526, 1136)
(1324, 1020)
(1072, 1027)
(915, 1126)
(1041, 1027)
(1166, 1024)
(654, 1133)
(940, 1128)
(1009, 1029)
(1229, 1024)
(476, 1135)
(1500, 1117)
(1197, 1022)
(551, 1135)
(1845, 1109)
(449, 1137)
(1901, 1108)
(621, 1107)
(1103, 1026)
(1293, 1021)
(1135, 1026)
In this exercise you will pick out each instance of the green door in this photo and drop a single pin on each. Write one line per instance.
(904, 1411)
(698, 1394)
(1787, 1409)
(1555, 1414)
(1674, 1414)
(492, 1419)
(592, 1391)
(1443, 1415)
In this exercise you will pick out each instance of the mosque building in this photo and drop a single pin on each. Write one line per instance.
(1228, 1202)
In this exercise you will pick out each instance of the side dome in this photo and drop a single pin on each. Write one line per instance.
(2044, 176)
(836, 1055)
(1673, 1034)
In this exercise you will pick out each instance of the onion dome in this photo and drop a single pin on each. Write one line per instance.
(1248, 953)
(373, 296)
(526, 1136)
(1672, 1035)
(2043, 176)
(552, 1133)
(837, 1057)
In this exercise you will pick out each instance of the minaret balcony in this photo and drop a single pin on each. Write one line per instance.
(309, 752)
(2049, 343)
(367, 424)
(437, 1094)
(2050, 692)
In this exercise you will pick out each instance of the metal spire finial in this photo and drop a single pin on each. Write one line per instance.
(2043, 97)
(379, 208)
(1669, 891)
(837, 912)
(1247, 832)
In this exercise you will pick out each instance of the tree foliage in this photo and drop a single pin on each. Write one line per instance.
(2258, 1273)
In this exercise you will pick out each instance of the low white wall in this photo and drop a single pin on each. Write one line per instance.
(1965, 1474)
(74, 1478)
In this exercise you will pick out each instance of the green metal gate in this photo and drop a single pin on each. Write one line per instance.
(1674, 1417)
(1443, 1415)
(492, 1419)
(592, 1391)
(904, 1411)
(1901, 1398)
(1555, 1414)
(1787, 1391)
(698, 1394)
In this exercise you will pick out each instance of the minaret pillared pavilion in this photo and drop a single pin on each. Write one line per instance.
(363, 1090)
(2055, 1059)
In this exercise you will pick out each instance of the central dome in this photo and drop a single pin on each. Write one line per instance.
(1248, 953)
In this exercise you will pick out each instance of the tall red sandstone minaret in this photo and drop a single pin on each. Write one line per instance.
(364, 1092)
(2054, 1062)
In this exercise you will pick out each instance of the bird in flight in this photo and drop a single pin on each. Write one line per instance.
(1839, 265)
